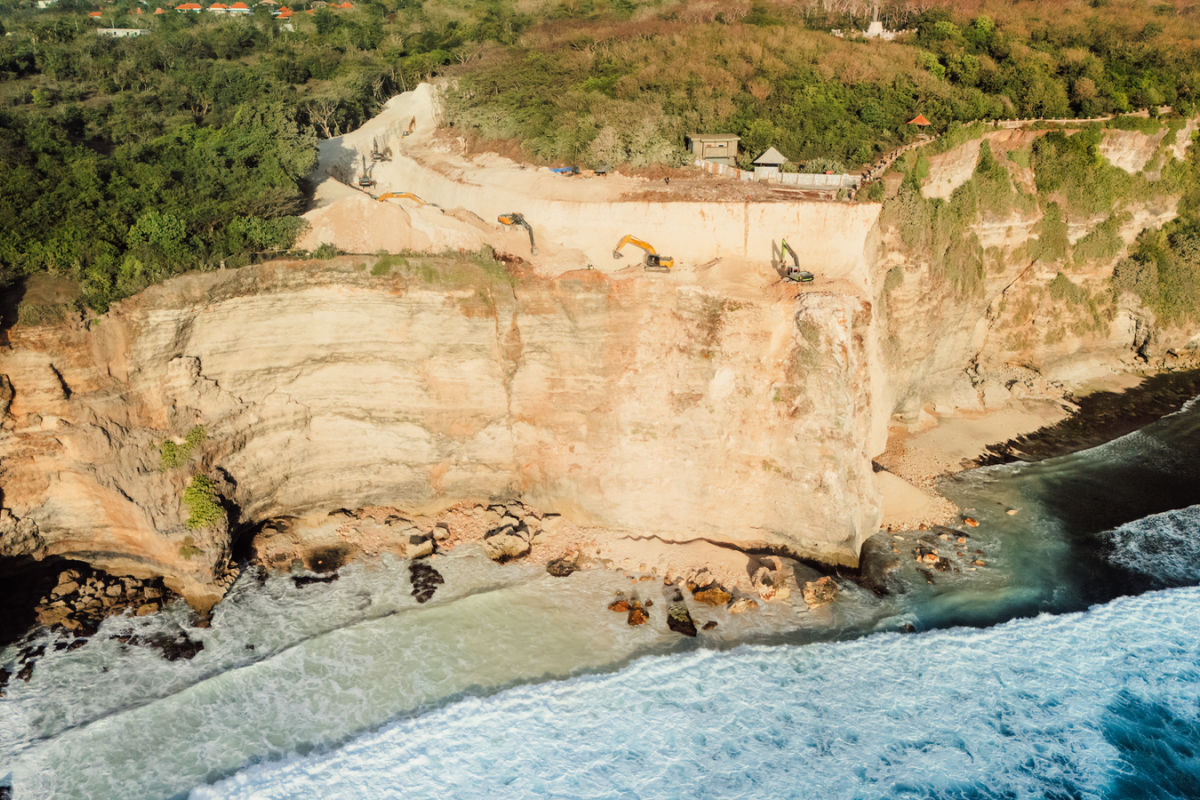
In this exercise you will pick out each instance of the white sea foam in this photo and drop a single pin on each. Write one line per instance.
(328, 662)
(1051, 706)
(1164, 546)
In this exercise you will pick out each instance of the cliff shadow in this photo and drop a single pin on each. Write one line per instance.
(10, 300)
(36, 300)
(24, 581)
(345, 164)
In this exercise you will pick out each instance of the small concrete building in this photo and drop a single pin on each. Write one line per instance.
(719, 148)
(768, 165)
(121, 33)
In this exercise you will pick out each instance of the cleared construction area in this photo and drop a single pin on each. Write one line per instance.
(578, 219)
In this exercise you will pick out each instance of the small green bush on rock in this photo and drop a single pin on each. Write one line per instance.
(204, 508)
(172, 455)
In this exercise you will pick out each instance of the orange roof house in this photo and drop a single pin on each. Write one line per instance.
(239, 8)
(93, 13)
(159, 11)
(919, 120)
(219, 8)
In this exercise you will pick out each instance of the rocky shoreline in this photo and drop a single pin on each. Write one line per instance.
(1100, 417)
(313, 548)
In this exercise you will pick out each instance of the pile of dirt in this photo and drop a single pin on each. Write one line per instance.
(354, 222)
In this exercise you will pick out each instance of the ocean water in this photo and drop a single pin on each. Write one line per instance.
(1103, 703)
(1066, 668)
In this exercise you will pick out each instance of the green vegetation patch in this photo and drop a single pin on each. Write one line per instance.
(1072, 167)
(1164, 271)
(941, 229)
(1102, 242)
(204, 507)
(188, 548)
(1053, 243)
(173, 455)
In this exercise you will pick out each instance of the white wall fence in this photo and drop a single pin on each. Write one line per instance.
(801, 180)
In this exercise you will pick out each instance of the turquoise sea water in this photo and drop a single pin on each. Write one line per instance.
(1070, 668)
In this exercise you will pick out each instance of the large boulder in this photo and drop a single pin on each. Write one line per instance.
(820, 592)
(679, 619)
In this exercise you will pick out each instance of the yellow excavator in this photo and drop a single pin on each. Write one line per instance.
(519, 221)
(412, 126)
(400, 196)
(651, 260)
(793, 272)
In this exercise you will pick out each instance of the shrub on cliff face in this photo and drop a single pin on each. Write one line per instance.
(204, 508)
(172, 455)
(1102, 242)
(1164, 272)
(1073, 167)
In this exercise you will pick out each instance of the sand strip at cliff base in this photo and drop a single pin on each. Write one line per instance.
(906, 506)
(955, 441)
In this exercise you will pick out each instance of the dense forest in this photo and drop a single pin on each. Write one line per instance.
(126, 160)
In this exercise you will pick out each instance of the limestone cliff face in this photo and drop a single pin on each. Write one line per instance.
(631, 405)
(1040, 317)
(715, 404)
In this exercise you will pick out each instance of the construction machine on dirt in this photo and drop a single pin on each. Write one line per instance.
(651, 260)
(365, 181)
(400, 196)
(378, 154)
(792, 271)
(518, 220)
(412, 126)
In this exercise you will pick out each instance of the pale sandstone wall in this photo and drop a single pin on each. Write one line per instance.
(632, 406)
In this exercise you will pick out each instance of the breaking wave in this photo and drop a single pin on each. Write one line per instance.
(1165, 547)
(1102, 703)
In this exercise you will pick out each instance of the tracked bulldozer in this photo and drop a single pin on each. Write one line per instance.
(651, 260)
(518, 220)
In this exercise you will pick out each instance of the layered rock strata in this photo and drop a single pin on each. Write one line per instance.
(630, 407)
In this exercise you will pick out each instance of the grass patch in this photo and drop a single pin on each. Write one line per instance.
(894, 279)
(1021, 157)
(188, 549)
(173, 455)
(449, 270)
(204, 507)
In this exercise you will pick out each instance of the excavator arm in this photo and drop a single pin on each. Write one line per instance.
(793, 272)
(785, 248)
(519, 221)
(651, 260)
(399, 196)
(365, 181)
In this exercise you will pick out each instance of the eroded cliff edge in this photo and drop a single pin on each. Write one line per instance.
(716, 408)
(631, 406)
